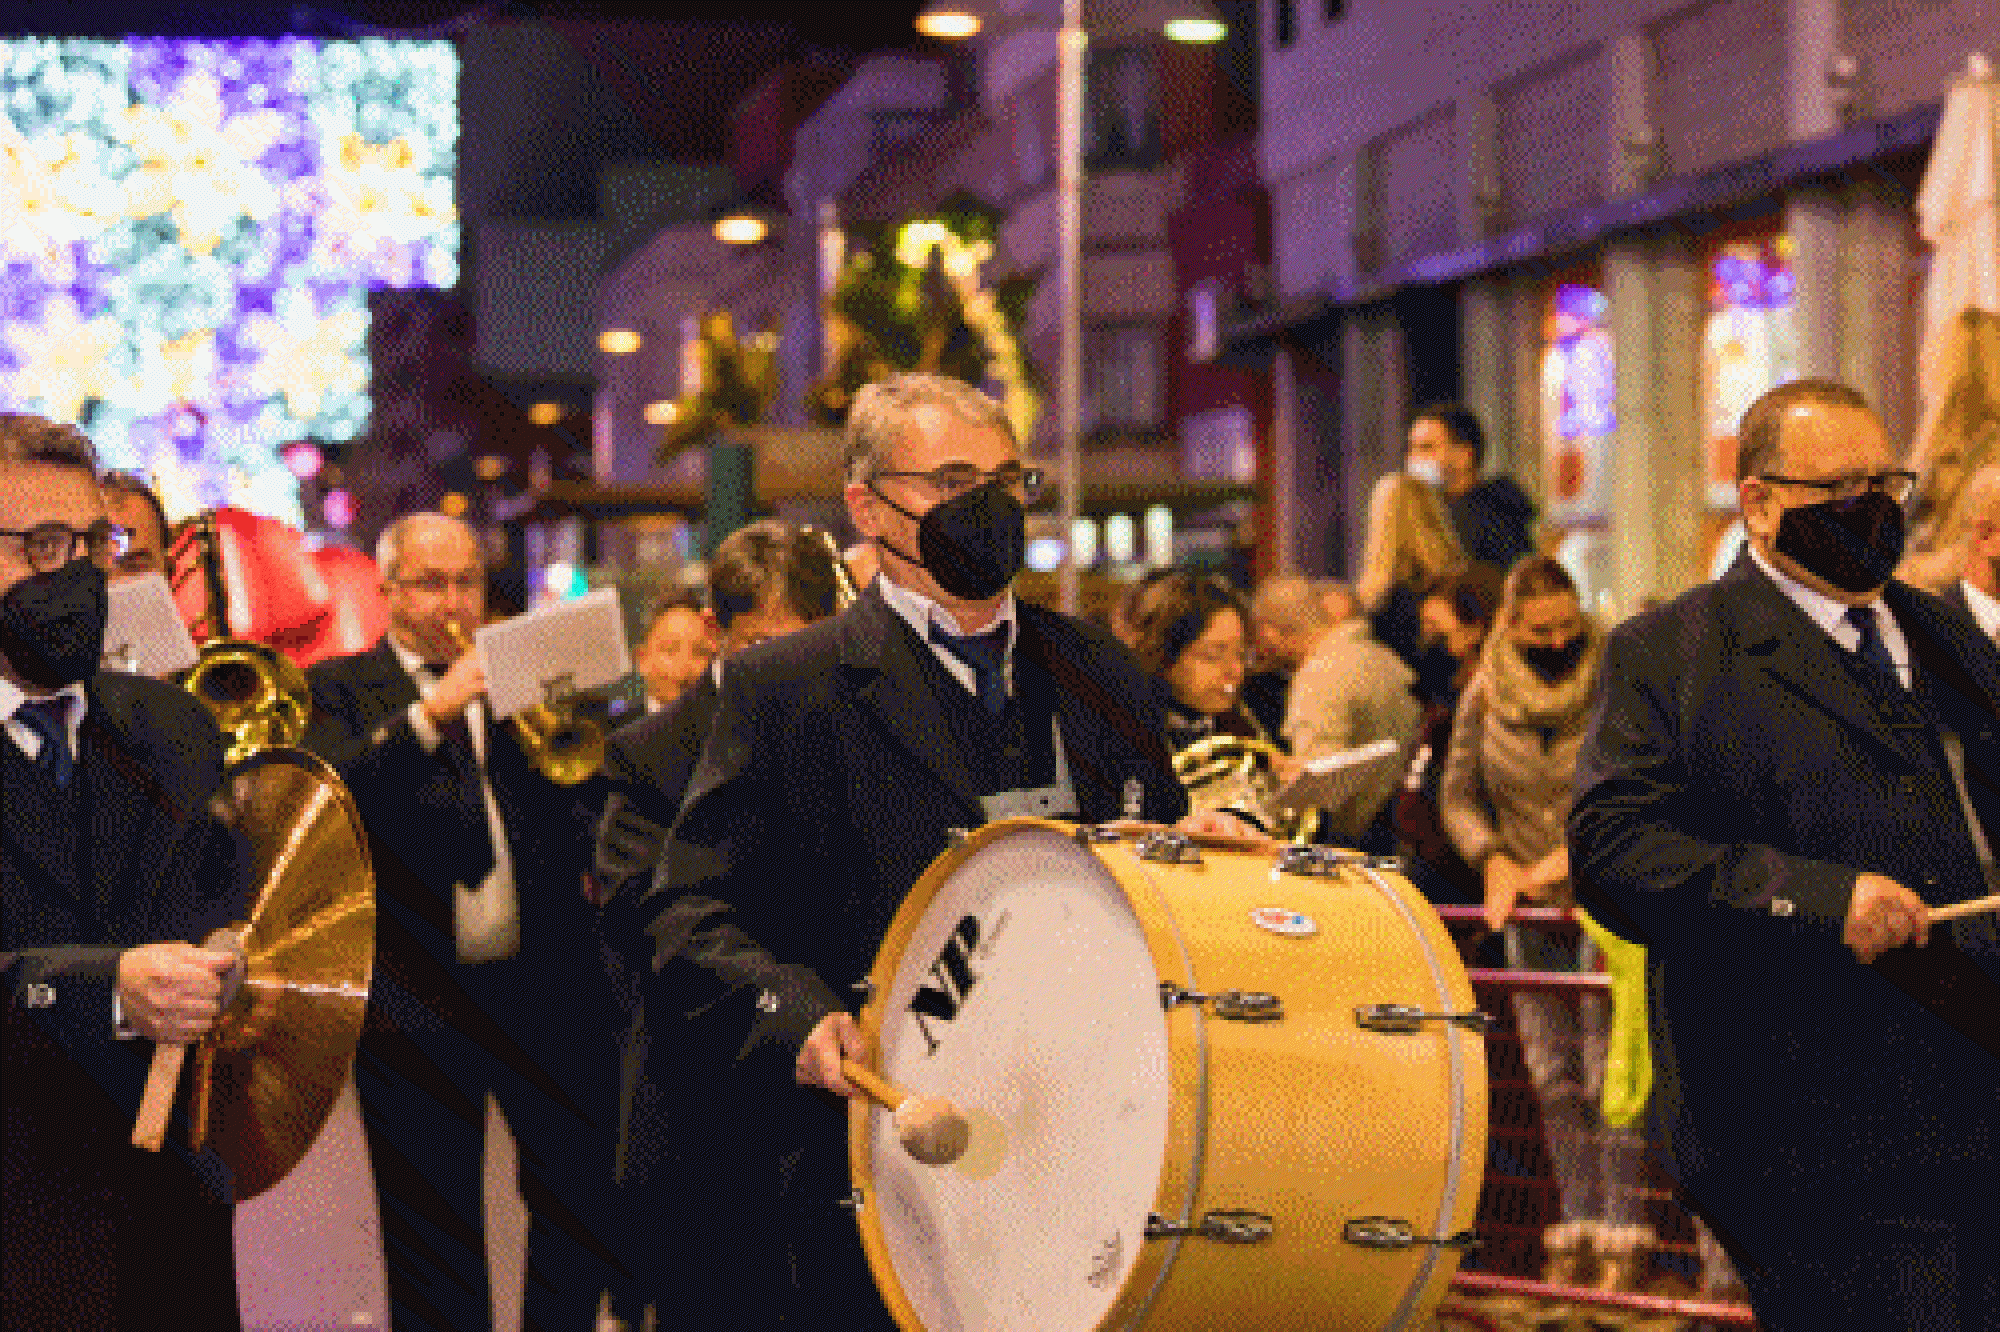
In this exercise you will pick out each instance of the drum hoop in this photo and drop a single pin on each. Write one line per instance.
(1429, 932)
(1173, 1198)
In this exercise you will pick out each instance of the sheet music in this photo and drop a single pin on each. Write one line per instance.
(570, 646)
(144, 632)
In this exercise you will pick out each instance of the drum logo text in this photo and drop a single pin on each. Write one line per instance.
(953, 977)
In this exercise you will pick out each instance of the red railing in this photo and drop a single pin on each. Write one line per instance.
(1518, 1200)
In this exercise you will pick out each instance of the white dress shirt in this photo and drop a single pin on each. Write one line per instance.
(1831, 616)
(486, 920)
(26, 738)
(920, 613)
(1985, 610)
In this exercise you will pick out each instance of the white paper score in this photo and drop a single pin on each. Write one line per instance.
(143, 633)
(570, 646)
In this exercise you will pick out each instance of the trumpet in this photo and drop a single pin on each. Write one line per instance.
(845, 593)
(565, 748)
(258, 694)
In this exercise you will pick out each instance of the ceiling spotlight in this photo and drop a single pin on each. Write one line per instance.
(662, 413)
(548, 413)
(740, 228)
(490, 466)
(1200, 31)
(618, 341)
(948, 23)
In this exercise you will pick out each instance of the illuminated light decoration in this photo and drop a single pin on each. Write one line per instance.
(1121, 540)
(304, 459)
(545, 413)
(619, 342)
(1195, 31)
(1749, 345)
(1083, 540)
(453, 504)
(961, 260)
(563, 581)
(190, 234)
(490, 466)
(741, 229)
(336, 507)
(662, 413)
(1579, 401)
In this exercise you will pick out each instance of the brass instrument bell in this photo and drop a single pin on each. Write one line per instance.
(564, 747)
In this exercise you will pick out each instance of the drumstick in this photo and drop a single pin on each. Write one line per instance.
(931, 1129)
(1970, 908)
(149, 1130)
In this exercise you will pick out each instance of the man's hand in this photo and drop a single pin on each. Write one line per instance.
(1218, 823)
(1883, 914)
(172, 991)
(465, 681)
(1506, 882)
(1550, 871)
(834, 1039)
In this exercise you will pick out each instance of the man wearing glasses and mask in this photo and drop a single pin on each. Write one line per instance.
(110, 862)
(1785, 770)
(840, 758)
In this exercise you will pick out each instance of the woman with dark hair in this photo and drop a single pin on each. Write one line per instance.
(1191, 632)
(1505, 796)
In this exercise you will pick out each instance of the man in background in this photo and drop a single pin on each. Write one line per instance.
(110, 862)
(1495, 518)
(1976, 590)
(677, 649)
(1288, 614)
(766, 580)
(488, 980)
(131, 504)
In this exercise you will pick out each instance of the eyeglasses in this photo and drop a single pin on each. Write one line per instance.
(1896, 485)
(957, 478)
(49, 546)
(438, 584)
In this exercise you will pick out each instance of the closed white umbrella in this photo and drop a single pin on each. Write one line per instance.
(1959, 215)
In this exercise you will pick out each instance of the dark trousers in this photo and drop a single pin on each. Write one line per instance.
(422, 1086)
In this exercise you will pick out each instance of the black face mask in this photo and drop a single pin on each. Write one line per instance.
(973, 543)
(52, 624)
(1554, 663)
(1854, 544)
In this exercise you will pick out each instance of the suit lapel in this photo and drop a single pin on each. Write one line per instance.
(878, 651)
(124, 825)
(1805, 660)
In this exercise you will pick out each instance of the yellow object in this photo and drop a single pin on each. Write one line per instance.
(1628, 1067)
(1035, 973)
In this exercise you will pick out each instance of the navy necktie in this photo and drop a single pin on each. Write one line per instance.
(986, 655)
(49, 719)
(1870, 648)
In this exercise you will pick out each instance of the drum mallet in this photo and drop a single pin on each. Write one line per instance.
(931, 1129)
(1971, 908)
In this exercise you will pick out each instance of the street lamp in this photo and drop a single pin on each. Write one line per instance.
(1178, 20)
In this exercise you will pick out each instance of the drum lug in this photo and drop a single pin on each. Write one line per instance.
(1227, 1227)
(1230, 1005)
(1168, 848)
(1408, 1017)
(1389, 1232)
(1095, 834)
(853, 1202)
(957, 837)
(865, 988)
(1322, 862)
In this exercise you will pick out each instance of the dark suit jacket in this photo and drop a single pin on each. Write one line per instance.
(427, 828)
(829, 783)
(158, 866)
(1736, 776)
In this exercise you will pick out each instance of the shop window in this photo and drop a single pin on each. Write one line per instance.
(1579, 402)
(1749, 344)
(1121, 98)
(1121, 379)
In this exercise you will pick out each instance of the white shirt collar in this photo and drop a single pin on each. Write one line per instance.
(1985, 609)
(1831, 615)
(413, 666)
(12, 696)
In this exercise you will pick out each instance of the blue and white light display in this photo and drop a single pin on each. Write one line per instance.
(188, 233)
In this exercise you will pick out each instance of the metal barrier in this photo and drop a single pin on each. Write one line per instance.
(1500, 1286)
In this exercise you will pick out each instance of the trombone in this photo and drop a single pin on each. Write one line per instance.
(258, 694)
(565, 748)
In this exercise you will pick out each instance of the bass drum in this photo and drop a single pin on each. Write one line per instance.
(1246, 1091)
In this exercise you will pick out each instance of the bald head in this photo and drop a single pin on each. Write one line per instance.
(434, 580)
(1287, 616)
(1977, 520)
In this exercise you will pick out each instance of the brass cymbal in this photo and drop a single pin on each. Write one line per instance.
(266, 1078)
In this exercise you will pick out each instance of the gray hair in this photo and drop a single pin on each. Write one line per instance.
(26, 438)
(389, 546)
(1291, 602)
(882, 411)
(1759, 447)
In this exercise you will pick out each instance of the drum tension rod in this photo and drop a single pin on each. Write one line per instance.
(1168, 848)
(1408, 1017)
(1326, 861)
(1231, 1005)
(1389, 1232)
(1226, 1227)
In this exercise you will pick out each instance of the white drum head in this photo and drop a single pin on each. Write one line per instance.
(1026, 993)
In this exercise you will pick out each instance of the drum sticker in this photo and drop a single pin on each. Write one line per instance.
(1107, 1262)
(954, 978)
(1283, 920)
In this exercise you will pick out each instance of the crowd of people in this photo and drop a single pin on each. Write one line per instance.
(1768, 782)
